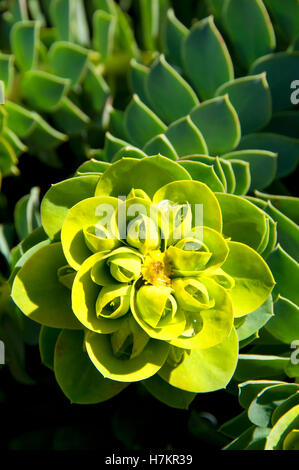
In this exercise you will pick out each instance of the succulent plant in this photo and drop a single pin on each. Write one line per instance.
(197, 98)
(270, 420)
(52, 61)
(144, 284)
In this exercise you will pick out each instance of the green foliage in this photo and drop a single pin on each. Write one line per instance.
(271, 419)
(155, 291)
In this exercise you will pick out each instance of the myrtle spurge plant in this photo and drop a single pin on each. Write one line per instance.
(143, 262)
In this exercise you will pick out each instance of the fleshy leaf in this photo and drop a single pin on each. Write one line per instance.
(242, 221)
(262, 163)
(285, 271)
(84, 296)
(88, 213)
(78, 378)
(204, 173)
(186, 138)
(281, 68)
(251, 274)
(193, 193)
(47, 341)
(284, 425)
(141, 123)
(161, 145)
(255, 111)
(193, 374)
(287, 149)
(61, 197)
(146, 364)
(239, 18)
(68, 60)
(48, 89)
(148, 174)
(24, 38)
(164, 86)
(256, 320)
(254, 366)
(174, 36)
(203, 42)
(219, 124)
(39, 294)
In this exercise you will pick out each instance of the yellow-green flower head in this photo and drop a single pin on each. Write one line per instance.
(151, 274)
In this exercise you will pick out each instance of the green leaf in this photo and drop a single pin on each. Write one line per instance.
(203, 173)
(170, 95)
(79, 380)
(149, 27)
(281, 409)
(95, 89)
(19, 119)
(256, 320)
(160, 145)
(48, 89)
(229, 175)
(44, 137)
(242, 221)
(250, 389)
(253, 276)
(39, 294)
(186, 138)
(26, 213)
(251, 98)
(14, 141)
(167, 394)
(193, 192)
(261, 409)
(111, 146)
(288, 205)
(151, 173)
(60, 16)
(128, 152)
(284, 425)
(242, 176)
(61, 197)
(218, 122)
(87, 215)
(284, 325)
(138, 76)
(92, 166)
(287, 231)
(203, 42)
(104, 31)
(141, 123)
(286, 148)
(262, 163)
(6, 72)
(8, 157)
(281, 69)
(193, 374)
(249, 28)
(142, 366)
(69, 118)
(287, 18)
(174, 37)
(285, 271)
(68, 60)
(291, 442)
(47, 341)
(24, 42)
(253, 366)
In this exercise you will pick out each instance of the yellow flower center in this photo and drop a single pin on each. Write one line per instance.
(155, 270)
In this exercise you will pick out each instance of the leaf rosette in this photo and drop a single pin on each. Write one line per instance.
(152, 272)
